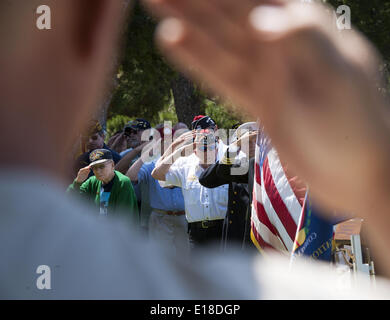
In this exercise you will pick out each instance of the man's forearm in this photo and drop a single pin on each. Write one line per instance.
(162, 167)
(209, 177)
(166, 154)
(132, 173)
(117, 144)
(74, 187)
(123, 165)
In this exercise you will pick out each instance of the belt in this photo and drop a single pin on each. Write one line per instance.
(170, 213)
(205, 224)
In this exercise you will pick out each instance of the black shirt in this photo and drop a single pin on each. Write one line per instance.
(238, 217)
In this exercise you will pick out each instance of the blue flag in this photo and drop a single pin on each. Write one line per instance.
(314, 235)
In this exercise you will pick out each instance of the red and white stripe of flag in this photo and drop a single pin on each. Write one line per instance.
(276, 206)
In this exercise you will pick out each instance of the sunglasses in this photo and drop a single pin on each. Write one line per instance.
(129, 131)
(205, 147)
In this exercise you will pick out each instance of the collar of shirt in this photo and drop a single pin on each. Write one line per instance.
(107, 187)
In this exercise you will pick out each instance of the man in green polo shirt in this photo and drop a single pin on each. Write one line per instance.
(110, 190)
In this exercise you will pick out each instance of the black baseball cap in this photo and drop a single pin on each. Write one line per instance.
(203, 122)
(99, 156)
(138, 124)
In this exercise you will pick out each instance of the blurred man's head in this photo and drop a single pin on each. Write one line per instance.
(166, 137)
(102, 165)
(134, 130)
(180, 125)
(94, 137)
(178, 129)
(51, 81)
(248, 127)
(206, 147)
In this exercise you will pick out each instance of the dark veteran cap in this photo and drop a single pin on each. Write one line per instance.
(99, 156)
(203, 122)
(138, 124)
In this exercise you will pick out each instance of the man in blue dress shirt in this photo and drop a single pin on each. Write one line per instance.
(167, 224)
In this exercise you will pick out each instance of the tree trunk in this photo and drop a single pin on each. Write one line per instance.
(107, 95)
(188, 102)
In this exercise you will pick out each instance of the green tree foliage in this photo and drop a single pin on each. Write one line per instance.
(146, 86)
(143, 79)
(223, 116)
(116, 123)
(166, 114)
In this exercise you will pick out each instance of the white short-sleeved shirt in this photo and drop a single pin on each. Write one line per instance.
(200, 203)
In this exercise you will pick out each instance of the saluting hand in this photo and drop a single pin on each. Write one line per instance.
(185, 138)
(246, 139)
(185, 151)
(83, 174)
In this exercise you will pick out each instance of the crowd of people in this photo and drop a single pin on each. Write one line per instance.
(175, 184)
(315, 92)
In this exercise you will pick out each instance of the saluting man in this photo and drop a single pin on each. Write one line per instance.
(205, 208)
(110, 190)
(240, 156)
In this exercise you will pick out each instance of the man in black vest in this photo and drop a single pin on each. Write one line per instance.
(236, 169)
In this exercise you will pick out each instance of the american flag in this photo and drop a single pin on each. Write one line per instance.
(278, 199)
